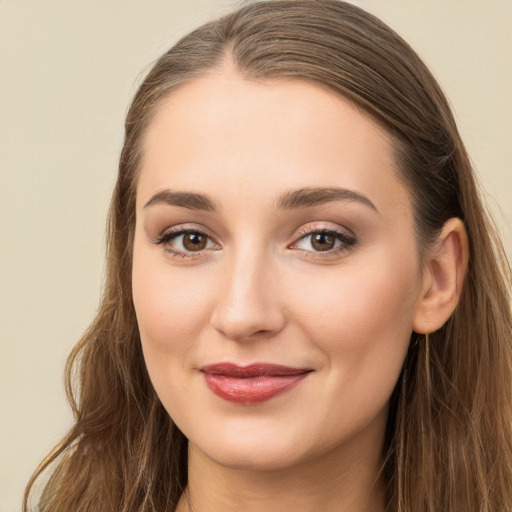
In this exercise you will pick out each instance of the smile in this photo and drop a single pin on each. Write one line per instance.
(251, 384)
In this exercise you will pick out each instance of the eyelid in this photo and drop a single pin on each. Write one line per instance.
(344, 235)
(324, 228)
(174, 232)
(179, 228)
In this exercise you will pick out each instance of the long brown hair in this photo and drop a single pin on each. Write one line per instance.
(449, 437)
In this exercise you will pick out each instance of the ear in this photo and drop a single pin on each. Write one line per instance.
(443, 275)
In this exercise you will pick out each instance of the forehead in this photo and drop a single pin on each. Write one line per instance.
(227, 135)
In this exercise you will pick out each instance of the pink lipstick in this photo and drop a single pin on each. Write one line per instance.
(251, 384)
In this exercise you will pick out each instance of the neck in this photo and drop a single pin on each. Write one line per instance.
(344, 480)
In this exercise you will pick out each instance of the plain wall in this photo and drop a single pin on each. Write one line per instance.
(67, 72)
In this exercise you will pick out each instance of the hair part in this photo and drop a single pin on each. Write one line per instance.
(449, 437)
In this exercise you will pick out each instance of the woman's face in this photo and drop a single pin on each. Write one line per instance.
(275, 270)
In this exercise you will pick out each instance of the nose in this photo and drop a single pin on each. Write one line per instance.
(248, 303)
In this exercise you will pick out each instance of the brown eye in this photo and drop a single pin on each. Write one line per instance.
(184, 243)
(327, 242)
(194, 241)
(323, 241)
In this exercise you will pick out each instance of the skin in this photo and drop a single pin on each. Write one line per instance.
(260, 291)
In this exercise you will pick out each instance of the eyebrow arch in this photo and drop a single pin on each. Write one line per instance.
(293, 199)
(307, 197)
(190, 200)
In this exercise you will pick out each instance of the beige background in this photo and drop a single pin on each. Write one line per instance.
(67, 72)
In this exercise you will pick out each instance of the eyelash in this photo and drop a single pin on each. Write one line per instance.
(175, 232)
(347, 241)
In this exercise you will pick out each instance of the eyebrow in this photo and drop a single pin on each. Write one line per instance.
(190, 200)
(307, 197)
(291, 200)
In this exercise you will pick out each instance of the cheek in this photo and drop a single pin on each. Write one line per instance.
(158, 304)
(361, 321)
(361, 314)
(171, 308)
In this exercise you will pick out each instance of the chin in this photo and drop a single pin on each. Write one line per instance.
(250, 453)
(253, 459)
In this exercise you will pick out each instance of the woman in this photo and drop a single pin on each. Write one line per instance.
(306, 307)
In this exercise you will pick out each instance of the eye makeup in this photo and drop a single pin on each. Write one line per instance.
(183, 241)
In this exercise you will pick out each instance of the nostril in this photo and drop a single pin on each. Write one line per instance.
(256, 325)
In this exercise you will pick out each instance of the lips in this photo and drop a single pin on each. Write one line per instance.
(251, 384)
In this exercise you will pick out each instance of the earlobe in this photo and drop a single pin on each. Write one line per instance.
(443, 276)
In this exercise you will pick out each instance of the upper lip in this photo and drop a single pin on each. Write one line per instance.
(252, 370)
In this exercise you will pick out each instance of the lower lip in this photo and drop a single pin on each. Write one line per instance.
(252, 390)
